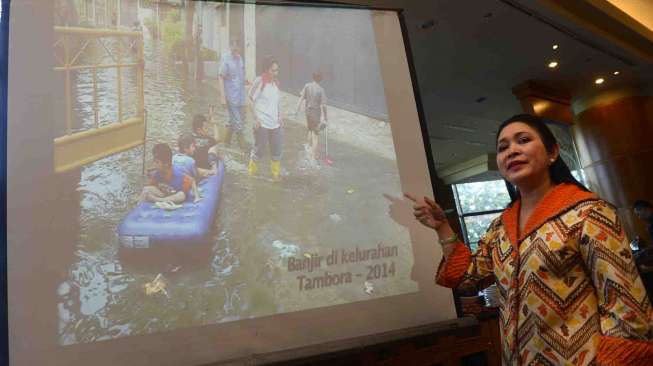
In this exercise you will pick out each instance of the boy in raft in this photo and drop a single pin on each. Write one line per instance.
(184, 161)
(168, 184)
(206, 151)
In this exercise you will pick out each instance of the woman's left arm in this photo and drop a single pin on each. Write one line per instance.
(625, 311)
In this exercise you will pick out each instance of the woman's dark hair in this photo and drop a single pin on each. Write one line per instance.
(558, 171)
(268, 61)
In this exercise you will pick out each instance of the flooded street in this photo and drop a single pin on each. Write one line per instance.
(315, 209)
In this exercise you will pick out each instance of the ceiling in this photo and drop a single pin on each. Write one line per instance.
(475, 52)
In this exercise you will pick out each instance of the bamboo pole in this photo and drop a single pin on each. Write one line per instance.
(67, 87)
(95, 104)
(102, 66)
(141, 93)
(158, 23)
(141, 78)
(94, 9)
(144, 143)
(96, 31)
(119, 75)
(80, 52)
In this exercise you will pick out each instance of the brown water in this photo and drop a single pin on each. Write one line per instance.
(260, 224)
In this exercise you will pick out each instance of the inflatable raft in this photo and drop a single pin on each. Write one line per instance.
(148, 226)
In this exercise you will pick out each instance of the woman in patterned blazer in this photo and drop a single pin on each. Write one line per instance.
(569, 291)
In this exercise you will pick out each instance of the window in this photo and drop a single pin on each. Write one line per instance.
(478, 204)
(562, 133)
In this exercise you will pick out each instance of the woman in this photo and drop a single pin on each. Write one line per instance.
(568, 286)
(266, 99)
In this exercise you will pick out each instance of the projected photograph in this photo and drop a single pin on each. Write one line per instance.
(219, 162)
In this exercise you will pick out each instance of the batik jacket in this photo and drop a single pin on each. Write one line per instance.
(569, 291)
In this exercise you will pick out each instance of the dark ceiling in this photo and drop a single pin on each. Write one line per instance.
(469, 54)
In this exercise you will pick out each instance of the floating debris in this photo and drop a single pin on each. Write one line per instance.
(350, 191)
(271, 264)
(157, 285)
(175, 269)
(335, 218)
(369, 288)
(63, 289)
(285, 250)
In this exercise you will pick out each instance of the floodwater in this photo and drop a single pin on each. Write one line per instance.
(243, 272)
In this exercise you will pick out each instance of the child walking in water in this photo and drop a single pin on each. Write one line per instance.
(315, 100)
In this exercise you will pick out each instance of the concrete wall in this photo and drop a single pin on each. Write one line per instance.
(338, 42)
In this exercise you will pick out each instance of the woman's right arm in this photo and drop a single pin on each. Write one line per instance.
(459, 268)
(464, 270)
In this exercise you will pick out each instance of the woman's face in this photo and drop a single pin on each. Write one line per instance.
(521, 155)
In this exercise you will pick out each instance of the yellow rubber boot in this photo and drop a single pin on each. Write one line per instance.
(275, 169)
(252, 168)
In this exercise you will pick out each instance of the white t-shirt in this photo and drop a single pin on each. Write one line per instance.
(266, 103)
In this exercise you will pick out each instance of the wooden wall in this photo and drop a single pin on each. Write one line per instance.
(615, 143)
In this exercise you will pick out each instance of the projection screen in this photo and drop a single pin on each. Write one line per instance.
(192, 182)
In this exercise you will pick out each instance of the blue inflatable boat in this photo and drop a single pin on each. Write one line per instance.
(147, 226)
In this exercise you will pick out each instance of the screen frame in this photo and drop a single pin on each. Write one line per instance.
(4, 295)
(4, 59)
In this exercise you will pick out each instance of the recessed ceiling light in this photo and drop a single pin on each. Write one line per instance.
(540, 106)
(616, 73)
(553, 64)
(599, 81)
(555, 47)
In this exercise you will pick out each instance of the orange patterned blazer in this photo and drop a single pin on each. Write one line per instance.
(569, 290)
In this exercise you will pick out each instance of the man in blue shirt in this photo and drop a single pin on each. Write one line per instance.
(232, 74)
